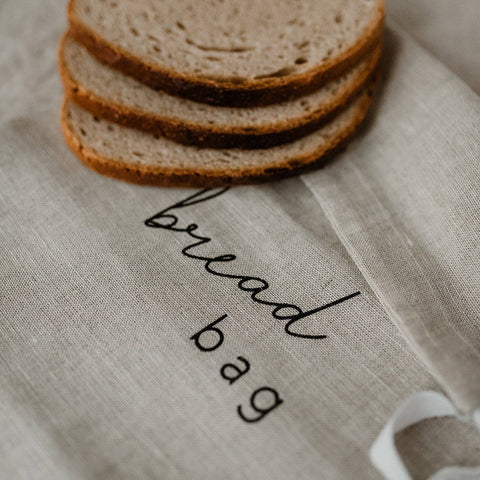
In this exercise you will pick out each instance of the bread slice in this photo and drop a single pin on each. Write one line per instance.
(229, 52)
(141, 157)
(114, 96)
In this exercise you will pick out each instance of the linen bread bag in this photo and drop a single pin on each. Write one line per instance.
(100, 376)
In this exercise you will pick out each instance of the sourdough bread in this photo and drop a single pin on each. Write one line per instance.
(141, 157)
(114, 96)
(227, 52)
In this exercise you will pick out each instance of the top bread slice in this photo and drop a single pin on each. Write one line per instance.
(113, 96)
(229, 52)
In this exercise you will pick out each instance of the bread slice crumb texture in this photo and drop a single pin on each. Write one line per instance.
(140, 157)
(114, 96)
(221, 51)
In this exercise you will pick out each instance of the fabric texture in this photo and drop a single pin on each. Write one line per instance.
(447, 29)
(105, 373)
(405, 202)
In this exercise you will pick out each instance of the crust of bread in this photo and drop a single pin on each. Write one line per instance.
(185, 177)
(205, 135)
(249, 93)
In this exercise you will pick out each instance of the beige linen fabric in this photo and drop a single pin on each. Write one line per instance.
(446, 28)
(99, 376)
(405, 202)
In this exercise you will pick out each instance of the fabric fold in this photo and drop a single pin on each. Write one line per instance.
(404, 200)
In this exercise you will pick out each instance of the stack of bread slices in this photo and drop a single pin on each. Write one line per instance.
(216, 92)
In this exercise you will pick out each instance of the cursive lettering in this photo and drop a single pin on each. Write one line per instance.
(167, 220)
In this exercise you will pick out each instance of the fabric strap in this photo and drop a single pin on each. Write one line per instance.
(418, 407)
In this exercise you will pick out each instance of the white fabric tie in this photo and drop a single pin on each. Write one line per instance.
(418, 407)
